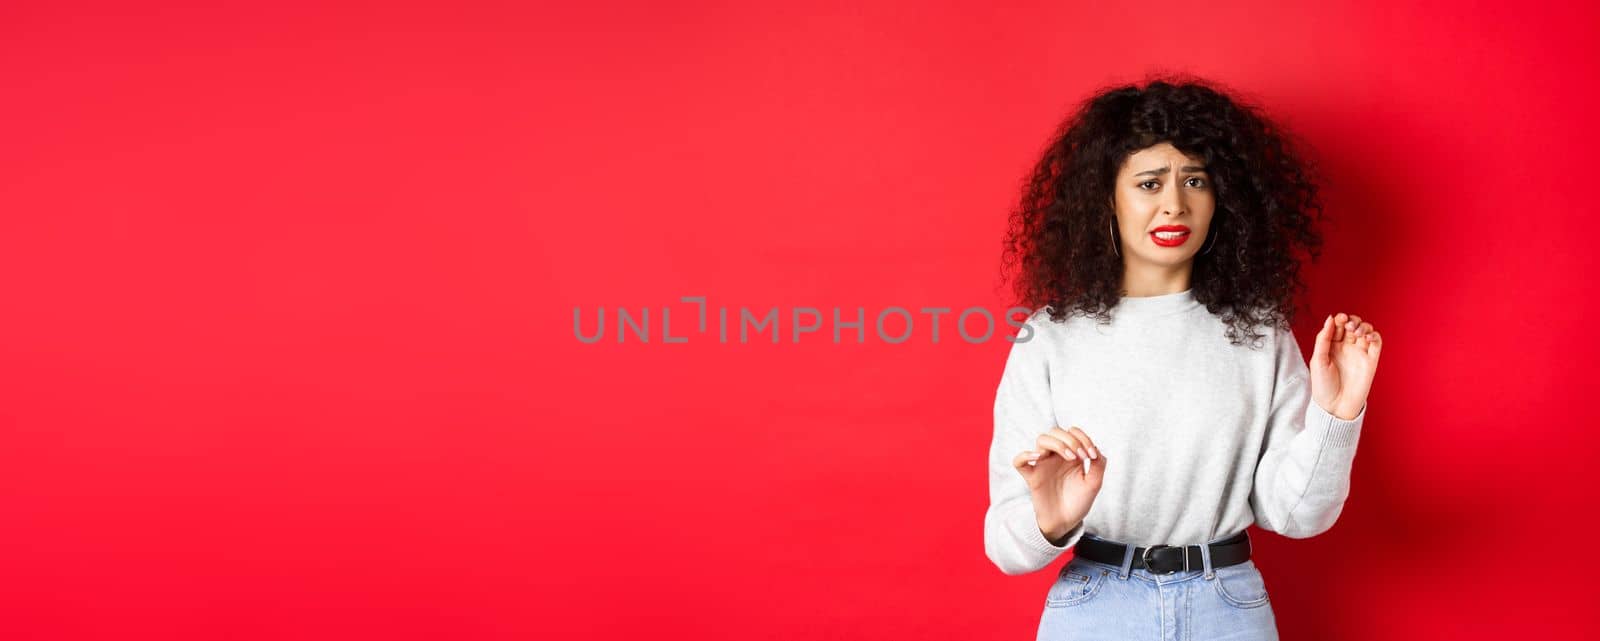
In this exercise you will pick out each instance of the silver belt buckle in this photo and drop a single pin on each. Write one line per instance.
(1153, 548)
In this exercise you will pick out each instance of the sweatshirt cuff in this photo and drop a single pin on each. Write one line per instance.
(1026, 525)
(1341, 433)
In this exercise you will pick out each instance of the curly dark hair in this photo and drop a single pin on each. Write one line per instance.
(1059, 237)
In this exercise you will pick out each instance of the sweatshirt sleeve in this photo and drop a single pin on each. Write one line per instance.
(1303, 477)
(1022, 411)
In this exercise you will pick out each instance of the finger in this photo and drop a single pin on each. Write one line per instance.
(1088, 443)
(1081, 439)
(1096, 473)
(1365, 329)
(1323, 341)
(1339, 320)
(1375, 345)
(1025, 460)
(1053, 444)
(1072, 441)
(1350, 328)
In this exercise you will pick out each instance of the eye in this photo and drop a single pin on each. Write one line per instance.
(1147, 182)
(1203, 182)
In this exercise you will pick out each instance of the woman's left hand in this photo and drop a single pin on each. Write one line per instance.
(1342, 364)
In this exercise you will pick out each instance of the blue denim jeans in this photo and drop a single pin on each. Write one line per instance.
(1094, 600)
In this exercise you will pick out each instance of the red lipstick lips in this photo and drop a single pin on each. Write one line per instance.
(1175, 239)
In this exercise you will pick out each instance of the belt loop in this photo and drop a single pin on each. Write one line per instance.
(1205, 559)
(1127, 561)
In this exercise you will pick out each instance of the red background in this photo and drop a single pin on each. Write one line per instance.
(288, 351)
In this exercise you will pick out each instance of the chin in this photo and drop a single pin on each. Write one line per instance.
(1170, 259)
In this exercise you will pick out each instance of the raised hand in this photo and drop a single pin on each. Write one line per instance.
(1343, 363)
(1064, 475)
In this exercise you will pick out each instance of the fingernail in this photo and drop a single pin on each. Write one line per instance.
(1093, 453)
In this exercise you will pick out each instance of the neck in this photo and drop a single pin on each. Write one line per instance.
(1156, 281)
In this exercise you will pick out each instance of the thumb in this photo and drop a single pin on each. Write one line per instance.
(1323, 342)
(1024, 461)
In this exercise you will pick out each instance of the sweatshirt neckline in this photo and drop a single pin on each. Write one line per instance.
(1160, 305)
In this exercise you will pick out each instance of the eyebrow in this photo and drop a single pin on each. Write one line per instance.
(1163, 170)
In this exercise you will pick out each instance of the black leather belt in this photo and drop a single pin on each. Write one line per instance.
(1166, 559)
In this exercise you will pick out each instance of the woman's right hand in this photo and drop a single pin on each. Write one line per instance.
(1064, 475)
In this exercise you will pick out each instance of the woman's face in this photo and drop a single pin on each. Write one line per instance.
(1160, 188)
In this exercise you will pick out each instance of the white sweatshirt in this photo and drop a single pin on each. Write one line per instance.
(1202, 437)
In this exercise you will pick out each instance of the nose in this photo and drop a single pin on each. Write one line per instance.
(1173, 204)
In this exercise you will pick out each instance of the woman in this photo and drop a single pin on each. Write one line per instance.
(1141, 419)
